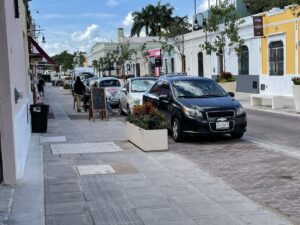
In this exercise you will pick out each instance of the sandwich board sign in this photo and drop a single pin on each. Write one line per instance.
(97, 103)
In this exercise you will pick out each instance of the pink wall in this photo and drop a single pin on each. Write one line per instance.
(15, 128)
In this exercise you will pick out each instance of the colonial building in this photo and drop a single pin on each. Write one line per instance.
(135, 66)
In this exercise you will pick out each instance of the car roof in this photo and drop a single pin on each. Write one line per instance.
(184, 77)
(142, 78)
(107, 78)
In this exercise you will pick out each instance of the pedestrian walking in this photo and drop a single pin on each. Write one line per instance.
(79, 90)
(40, 87)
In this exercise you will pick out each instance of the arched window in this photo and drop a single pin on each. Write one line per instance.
(244, 61)
(276, 58)
(200, 65)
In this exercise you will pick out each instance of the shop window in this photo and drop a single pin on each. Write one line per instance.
(276, 58)
(244, 61)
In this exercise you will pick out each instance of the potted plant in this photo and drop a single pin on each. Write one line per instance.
(67, 89)
(146, 128)
(296, 92)
(227, 81)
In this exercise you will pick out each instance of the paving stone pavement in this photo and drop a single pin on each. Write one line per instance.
(268, 177)
(161, 188)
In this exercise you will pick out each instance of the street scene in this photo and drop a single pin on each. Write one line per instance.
(149, 112)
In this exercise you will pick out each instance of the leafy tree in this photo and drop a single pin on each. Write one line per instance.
(124, 53)
(257, 6)
(79, 58)
(65, 60)
(174, 38)
(224, 23)
(109, 60)
(98, 65)
(145, 57)
(153, 18)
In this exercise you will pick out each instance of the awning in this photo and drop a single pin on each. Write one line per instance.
(154, 53)
(41, 53)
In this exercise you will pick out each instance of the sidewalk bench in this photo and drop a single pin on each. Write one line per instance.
(278, 101)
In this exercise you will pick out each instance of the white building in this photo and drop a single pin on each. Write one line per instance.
(198, 63)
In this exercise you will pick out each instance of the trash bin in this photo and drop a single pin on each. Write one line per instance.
(39, 118)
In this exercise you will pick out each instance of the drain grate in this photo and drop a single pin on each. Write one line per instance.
(286, 177)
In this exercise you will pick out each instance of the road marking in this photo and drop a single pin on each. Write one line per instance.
(289, 151)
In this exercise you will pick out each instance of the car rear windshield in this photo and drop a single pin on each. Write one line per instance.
(141, 85)
(197, 89)
(110, 83)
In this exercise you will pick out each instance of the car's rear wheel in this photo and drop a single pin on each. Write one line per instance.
(237, 135)
(176, 130)
(128, 110)
(120, 109)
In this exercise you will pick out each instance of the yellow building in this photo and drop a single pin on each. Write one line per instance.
(279, 51)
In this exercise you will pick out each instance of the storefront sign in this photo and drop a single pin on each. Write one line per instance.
(258, 26)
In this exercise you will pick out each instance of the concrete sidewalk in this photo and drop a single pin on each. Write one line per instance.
(289, 109)
(130, 186)
(92, 175)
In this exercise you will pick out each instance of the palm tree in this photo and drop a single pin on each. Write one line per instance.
(95, 65)
(152, 18)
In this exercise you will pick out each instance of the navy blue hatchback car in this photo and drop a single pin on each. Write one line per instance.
(196, 105)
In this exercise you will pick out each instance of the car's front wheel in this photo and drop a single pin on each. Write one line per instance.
(176, 130)
(237, 135)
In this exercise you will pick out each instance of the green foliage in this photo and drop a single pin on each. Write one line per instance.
(147, 117)
(296, 80)
(153, 18)
(67, 86)
(79, 58)
(225, 23)
(225, 77)
(257, 6)
(65, 60)
(122, 55)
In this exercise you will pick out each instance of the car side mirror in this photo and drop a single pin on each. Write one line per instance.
(231, 94)
(164, 98)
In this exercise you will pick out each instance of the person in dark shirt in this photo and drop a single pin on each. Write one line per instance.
(79, 90)
(40, 87)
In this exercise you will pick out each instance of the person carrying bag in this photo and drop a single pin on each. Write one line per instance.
(79, 90)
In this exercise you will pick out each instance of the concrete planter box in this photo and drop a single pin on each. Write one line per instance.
(147, 140)
(296, 92)
(229, 86)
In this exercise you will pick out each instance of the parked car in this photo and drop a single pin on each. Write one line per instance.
(132, 92)
(112, 88)
(195, 105)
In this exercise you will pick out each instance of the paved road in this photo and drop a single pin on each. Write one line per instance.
(278, 129)
(263, 166)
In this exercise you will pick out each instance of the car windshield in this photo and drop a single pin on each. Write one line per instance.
(141, 85)
(109, 83)
(197, 89)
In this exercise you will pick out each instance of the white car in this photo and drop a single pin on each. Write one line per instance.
(132, 92)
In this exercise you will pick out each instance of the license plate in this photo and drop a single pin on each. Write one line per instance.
(222, 125)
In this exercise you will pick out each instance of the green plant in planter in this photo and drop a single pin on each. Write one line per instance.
(147, 117)
(225, 77)
(67, 86)
(296, 80)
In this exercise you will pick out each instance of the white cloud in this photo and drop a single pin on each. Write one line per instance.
(111, 3)
(204, 5)
(86, 34)
(128, 20)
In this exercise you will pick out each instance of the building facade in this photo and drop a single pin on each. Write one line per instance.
(15, 91)
(136, 66)
(279, 51)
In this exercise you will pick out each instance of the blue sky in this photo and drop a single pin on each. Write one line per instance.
(78, 24)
